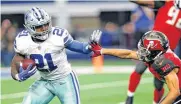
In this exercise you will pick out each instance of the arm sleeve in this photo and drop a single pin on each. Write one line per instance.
(75, 45)
(79, 47)
(164, 66)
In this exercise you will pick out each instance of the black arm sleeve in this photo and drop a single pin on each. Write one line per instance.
(158, 4)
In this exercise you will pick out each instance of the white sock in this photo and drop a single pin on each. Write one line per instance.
(130, 94)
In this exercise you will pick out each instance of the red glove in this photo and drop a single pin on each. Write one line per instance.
(96, 48)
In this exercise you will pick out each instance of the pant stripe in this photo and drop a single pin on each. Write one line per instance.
(76, 88)
(76, 80)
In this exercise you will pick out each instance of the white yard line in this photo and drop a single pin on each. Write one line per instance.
(121, 103)
(85, 87)
(13, 95)
(112, 84)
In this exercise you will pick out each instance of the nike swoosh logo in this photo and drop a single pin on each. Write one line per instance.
(161, 62)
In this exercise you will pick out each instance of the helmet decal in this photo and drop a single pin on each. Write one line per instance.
(152, 44)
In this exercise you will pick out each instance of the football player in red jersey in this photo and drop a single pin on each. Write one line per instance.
(168, 21)
(163, 63)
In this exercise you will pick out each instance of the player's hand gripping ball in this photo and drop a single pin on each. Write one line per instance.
(26, 62)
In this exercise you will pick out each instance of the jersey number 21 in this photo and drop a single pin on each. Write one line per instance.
(40, 59)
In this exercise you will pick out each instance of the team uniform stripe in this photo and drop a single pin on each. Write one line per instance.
(67, 40)
(76, 80)
(76, 88)
(37, 13)
(40, 13)
(15, 44)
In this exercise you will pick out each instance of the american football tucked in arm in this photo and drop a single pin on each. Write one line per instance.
(26, 62)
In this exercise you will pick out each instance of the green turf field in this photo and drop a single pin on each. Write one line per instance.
(95, 89)
(110, 62)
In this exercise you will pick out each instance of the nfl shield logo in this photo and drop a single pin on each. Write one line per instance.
(39, 47)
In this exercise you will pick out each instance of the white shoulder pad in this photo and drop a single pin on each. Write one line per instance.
(21, 42)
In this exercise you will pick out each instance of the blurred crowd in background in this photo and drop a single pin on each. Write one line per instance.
(8, 33)
(124, 35)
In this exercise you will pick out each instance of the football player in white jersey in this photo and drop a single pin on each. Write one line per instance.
(46, 46)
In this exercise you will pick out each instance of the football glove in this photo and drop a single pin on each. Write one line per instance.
(95, 37)
(96, 48)
(25, 73)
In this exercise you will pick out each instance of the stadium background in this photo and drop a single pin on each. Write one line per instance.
(107, 85)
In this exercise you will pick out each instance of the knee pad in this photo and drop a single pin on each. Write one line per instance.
(140, 67)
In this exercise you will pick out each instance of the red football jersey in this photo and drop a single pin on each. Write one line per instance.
(168, 21)
(164, 65)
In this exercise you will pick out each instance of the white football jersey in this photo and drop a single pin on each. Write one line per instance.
(49, 56)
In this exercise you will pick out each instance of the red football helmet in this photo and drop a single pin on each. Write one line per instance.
(151, 45)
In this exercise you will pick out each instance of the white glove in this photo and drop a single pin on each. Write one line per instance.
(177, 4)
(95, 36)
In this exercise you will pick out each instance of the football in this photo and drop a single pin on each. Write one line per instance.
(26, 62)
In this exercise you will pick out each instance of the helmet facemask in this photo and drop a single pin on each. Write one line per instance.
(43, 35)
(143, 53)
(146, 55)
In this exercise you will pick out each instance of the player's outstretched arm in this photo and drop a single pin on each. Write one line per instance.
(82, 47)
(122, 53)
(173, 86)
